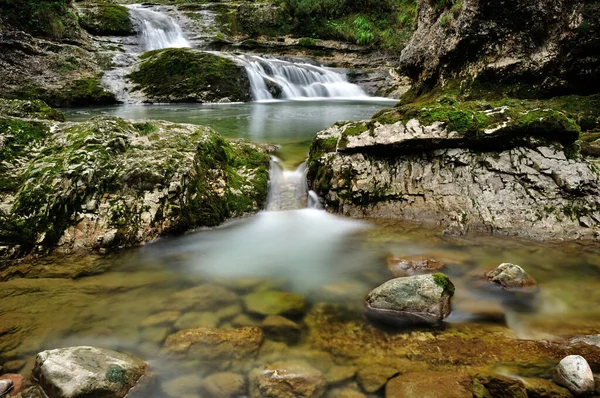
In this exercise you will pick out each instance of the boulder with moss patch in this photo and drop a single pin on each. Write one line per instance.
(109, 183)
(508, 167)
(412, 300)
(186, 75)
(106, 19)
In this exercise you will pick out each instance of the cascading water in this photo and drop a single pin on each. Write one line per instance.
(289, 190)
(158, 30)
(295, 80)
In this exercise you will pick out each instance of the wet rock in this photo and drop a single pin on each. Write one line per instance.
(338, 374)
(16, 379)
(275, 303)
(344, 393)
(182, 385)
(243, 320)
(191, 320)
(6, 386)
(430, 384)
(205, 297)
(408, 266)
(279, 328)
(287, 380)
(34, 109)
(86, 371)
(156, 334)
(414, 300)
(511, 277)
(372, 378)
(215, 344)
(224, 385)
(161, 318)
(544, 388)
(498, 386)
(575, 373)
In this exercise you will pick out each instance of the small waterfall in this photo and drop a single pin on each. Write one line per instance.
(158, 30)
(289, 190)
(295, 80)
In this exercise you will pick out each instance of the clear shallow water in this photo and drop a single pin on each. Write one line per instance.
(291, 124)
(203, 279)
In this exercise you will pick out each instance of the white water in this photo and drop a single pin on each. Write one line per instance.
(158, 30)
(296, 80)
(288, 189)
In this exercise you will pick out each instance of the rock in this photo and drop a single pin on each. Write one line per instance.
(513, 172)
(215, 344)
(282, 329)
(224, 385)
(498, 386)
(182, 385)
(205, 297)
(243, 320)
(338, 374)
(510, 277)
(344, 393)
(412, 266)
(15, 379)
(86, 371)
(413, 300)
(275, 303)
(191, 320)
(134, 203)
(156, 334)
(372, 378)
(186, 75)
(106, 19)
(6, 386)
(431, 385)
(287, 380)
(34, 109)
(544, 388)
(574, 373)
(161, 318)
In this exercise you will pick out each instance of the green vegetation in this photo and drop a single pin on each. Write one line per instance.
(46, 18)
(107, 19)
(82, 92)
(307, 42)
(183, 75)
(34, 109)
(444, 282)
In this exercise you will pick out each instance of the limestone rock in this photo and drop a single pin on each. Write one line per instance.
(574, 373)
(287, 380)
(430, 384)
(215, 344)
(224, 385)
(414, 300)
(275, 303)
(86, 371)
(338, 374)
(511, 276)
(408, 266)
(279, 328)
(372, 378)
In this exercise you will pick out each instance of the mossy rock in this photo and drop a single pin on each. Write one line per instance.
(34, 109)
(81, 92)
(106, 19)
(185, 75)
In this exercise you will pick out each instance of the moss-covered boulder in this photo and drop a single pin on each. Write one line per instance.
(510, 167)
(34, 109)
(185, 75)
(110, 183)
(106, 19)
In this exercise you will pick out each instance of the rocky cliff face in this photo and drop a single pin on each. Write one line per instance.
(503, 169)
(515, 47)
(109, 183)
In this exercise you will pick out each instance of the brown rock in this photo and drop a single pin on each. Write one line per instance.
(344, 393)
(338, 374)
(287, 380)
(408, 266)
(543, 388)
(499, 386)
(215, 344)
(160, 318)
(275, 303)
(511, 276)
(279, 328)
(203, 298)
(17, 381)
(182, 385)
(224, 385)
(373, 378)
(430, 385)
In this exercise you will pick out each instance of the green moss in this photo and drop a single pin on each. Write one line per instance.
(35, 109)
(46, 18)
(116, 374)
(307, 42)
(184, 75)
(444, 282)
(107, 19)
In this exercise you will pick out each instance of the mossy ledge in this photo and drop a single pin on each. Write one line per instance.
(185, 75)
(106, 19)
(444, 282)
(109, 183)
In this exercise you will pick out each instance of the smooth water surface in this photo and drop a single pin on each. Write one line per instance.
(291, 124)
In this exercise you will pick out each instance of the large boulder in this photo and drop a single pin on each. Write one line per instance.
(508, 167)
(106, 19)
(287, 380)
(109, 183)
(413, 300)
(78, 372)
(575, 373)
(186, 75)
(518, 47)
(271, 302)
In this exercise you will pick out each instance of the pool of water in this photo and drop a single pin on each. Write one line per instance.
(134, 300)
(291, 124)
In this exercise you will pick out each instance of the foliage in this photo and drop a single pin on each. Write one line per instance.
(47, 18)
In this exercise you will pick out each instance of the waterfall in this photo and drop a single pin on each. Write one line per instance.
(288, 190)
(158, 30)
(292, 80)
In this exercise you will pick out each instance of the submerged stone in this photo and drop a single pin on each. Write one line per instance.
(575, 373)
(275, 303)
(224, 385)
(408, 266)
(431, 385)
(409, 301)
(78, 372)
(511, 276)
(279, 328)
(287, 380)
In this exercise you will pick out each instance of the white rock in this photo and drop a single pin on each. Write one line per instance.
(5, 386)
(574, 373)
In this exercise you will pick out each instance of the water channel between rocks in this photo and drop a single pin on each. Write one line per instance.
(234, 276)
